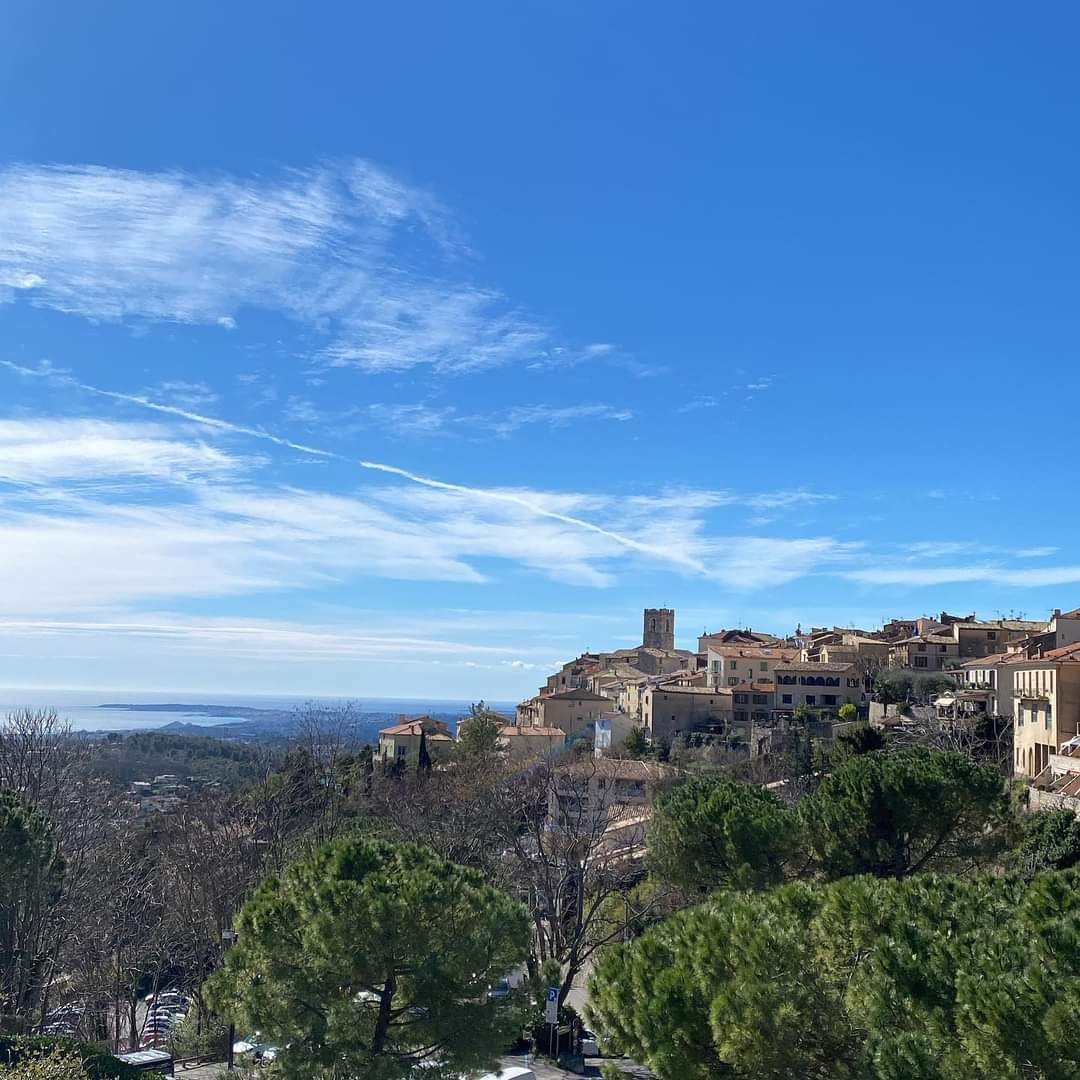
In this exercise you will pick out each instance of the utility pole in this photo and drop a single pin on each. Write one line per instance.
(229, 937)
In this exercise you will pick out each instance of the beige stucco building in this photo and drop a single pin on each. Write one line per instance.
(570, 711)
(667, 711)
(402, 741)
(524, 743)
(1046, 706)
(729, 665)
(928, 651)
(817, 686)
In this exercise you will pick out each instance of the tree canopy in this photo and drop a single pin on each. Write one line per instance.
(31, 875)
(371, 958)
(891, 814)
(478, 733)
(932, 978)
(707, 833)
(1050, 840)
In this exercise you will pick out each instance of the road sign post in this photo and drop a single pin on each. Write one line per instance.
(551, 1017)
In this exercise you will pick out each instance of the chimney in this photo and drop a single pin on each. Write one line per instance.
(1057, 613)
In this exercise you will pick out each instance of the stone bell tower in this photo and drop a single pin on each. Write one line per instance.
(658, 628)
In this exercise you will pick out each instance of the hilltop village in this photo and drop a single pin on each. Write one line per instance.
(748, 689)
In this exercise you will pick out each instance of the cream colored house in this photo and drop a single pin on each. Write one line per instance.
(1065, 627)
(729, 665)
(402, 741)
(1046, 706)
(667, 711)
(525, 743)
(928, 651)
(570, 711)
(817, 686)
(991, 677)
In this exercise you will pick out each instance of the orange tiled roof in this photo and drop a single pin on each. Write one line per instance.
(547, 732)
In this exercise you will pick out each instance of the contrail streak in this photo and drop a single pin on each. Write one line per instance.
(64, 379)
(540, 511)
(172, 410)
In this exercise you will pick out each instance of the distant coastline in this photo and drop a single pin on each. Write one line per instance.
(232, 715)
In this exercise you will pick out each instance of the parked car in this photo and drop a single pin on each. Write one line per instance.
(500, 991)
(164, 996)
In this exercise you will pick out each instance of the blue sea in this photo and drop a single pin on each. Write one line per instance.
(81, 708)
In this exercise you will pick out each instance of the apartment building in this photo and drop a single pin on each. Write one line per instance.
(1046, 706)
(753, 703)
(570, 711)
(987, 679)
(816, 686)
(729, 665)
(927, 651)
(667, 711)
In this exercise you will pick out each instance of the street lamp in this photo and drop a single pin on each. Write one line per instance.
(228, 937)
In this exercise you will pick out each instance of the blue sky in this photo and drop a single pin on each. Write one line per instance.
(764, 312)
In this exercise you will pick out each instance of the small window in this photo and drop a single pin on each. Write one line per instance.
(787, 699)
(811, 699)
(733, 665)
(991, 635)
(733, 682)
(829, 699)
(920, 661)
(921, 648)
(764, 665)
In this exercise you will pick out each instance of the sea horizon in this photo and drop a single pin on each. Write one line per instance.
(83, 709)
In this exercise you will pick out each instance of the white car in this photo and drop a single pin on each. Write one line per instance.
(163, 997)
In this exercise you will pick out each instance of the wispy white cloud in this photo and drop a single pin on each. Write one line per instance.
(428, 418)
(944, 549)
(1016, 577)
(739, 390)
(66, 546)
(416, 418)
(337, 248)
(187, 395)
(377, 640)
(42, 451)
(943, 495)
(556, 416)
